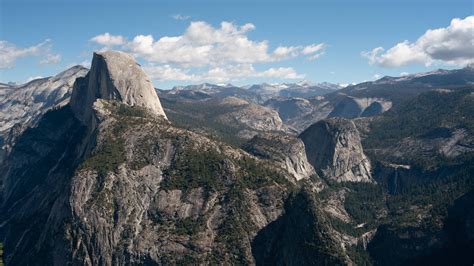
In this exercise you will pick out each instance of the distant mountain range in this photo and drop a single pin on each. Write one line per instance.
(267, 91)
(298, 105)
(99, 169)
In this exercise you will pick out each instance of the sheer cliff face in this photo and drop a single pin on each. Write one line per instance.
(334, 149)
(117, 76)
(22, 106)
(135, 190)
(288, 151)
(108, 180)
(151, 192)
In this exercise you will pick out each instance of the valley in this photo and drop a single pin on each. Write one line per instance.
(105, 169)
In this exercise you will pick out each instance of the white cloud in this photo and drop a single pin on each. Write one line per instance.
(108, 40)
(377, 76)
(85, 63)
(204, 45)
(284, 52)
(166, 72)
(229, 73)
(314, 51)
(311, 49)
(452, 45)
(404, 74)
(282, 73)
(315, 56)
(180, 17)
(33, 78)
(9, 52)
(51, 59)
(219, 73)
(217, 54)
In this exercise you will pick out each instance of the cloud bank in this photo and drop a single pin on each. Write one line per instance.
(221, 53)
(452, 45)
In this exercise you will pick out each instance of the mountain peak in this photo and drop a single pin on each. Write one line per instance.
(114, 75)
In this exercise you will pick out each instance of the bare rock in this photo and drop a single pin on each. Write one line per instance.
(334, 149)
(117, 76)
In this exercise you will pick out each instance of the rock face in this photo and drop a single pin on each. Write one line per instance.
(139, 190)
(290, 108)
(114, 75)
(231, 119)
(253, 116)
(352, 107)
(148, 193)
(334, 149)
(288, 151)
(23, 105)
(135, 191)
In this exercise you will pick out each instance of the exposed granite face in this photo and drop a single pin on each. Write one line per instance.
(21, 106)
(117, 76)
(288, 151)
(334, 149)
(24, 104)
(254, 117)
(125, 203)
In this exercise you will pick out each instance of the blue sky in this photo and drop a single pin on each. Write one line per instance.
(267, 41)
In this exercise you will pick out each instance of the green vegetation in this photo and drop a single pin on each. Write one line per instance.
(192, 169)
(435, 196)
(239, 224)
(257, 174)
(190, 226)
(111, 152)
(130, 111)
(211, 170)
(423, 114)
(347, 228)
(359, 255)
(364, 202)
(1, 254)
(109, 156)
(204, 117)
(430, 115)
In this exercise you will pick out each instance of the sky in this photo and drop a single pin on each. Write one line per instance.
(240, 42)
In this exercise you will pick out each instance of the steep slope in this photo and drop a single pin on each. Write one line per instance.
(114, 75)
(290, 108)
(434, 126)
(254, 117)
(145, 184)
(24, 104)
(399, 89)
(376, 97)
(423, 154)
(130, 188)
(288, 151)
(334, 149)
(110, 181)
(231, 119)
(302, 236)
(351, 107)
